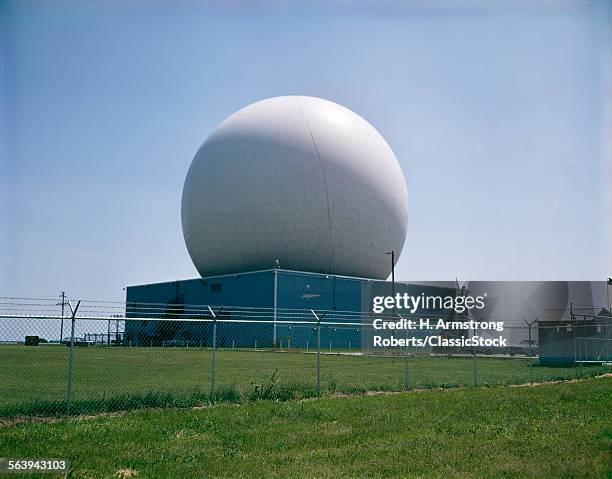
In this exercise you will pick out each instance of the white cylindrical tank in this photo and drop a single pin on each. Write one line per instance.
(296, 179)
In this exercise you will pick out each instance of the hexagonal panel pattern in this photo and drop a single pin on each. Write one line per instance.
(299, 179)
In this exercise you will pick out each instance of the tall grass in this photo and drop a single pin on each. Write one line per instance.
(271, 390)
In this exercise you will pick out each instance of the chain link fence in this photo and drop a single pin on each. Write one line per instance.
(103, 356)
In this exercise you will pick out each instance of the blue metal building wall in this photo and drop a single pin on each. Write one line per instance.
(341, 294)
(321, 293)
(244, 290)
(295, 291)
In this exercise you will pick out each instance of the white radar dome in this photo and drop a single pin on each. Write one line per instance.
(296, 179)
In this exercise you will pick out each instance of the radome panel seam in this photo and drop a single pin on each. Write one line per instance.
(314, 143)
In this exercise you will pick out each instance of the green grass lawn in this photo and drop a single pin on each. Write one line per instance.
(33, 380)
(547, 431)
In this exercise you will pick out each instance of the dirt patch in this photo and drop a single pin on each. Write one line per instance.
(575, 380)
(126, 473)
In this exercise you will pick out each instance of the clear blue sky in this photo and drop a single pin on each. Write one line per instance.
(499, 112)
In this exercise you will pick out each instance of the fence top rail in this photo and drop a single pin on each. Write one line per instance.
(191, 320)
(101, 307)
(187, 309)
(269, 320)
(188, 315)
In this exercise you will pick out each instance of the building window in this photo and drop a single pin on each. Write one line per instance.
(216, 287)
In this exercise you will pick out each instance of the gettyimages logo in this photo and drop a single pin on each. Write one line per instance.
(459, 304)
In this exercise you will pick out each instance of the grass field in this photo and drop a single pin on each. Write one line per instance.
(546, 431)
(33, 379)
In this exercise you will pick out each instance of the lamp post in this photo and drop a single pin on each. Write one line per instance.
(392, 253)
(275, 267)
(608, 284)
(62, 304)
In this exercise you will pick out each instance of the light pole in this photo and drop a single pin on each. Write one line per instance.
(275, 267)
(392, 253)
(608, 284)
(62, 304)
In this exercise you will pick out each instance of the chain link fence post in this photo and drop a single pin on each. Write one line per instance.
(581, 345)
(318, 356)
(407, 361)
(474, 364)
(318, 350)
(407, 372)
(530, 353)
(530, 356)
(529, 325)
(71, 355)
(213, 366)
(475, 368)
